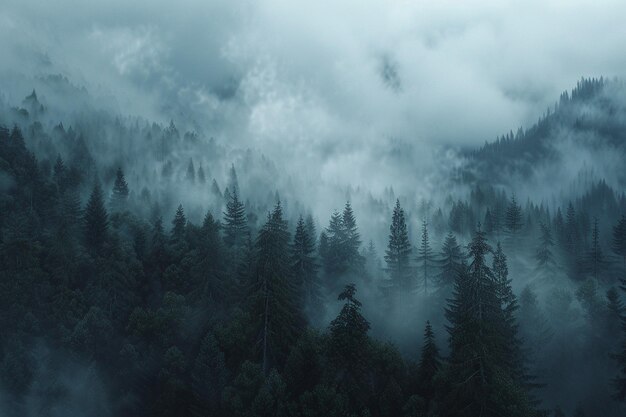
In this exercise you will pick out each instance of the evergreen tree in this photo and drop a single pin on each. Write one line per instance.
(333, 256)
(304, 266)
(451, 262)
(513, 220)
(96, 220)
(201, 175)
(191, 172)
(429, 365)
(119, 196)
(618, 244)
(544, 256)
(349, 349)
(179, 224)
(425, 258)
(352, 239)
(397, 255)
(481, 377)
(276, 304)
(235, 222)
(595, 257)
(489, 223)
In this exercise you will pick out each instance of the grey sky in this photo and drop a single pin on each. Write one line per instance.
(349, 79)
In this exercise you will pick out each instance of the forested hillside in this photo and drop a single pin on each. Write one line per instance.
(152, 270)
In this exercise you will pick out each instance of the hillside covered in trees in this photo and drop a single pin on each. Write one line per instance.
(151, 270)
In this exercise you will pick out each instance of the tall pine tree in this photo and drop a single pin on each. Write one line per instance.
(96, 220)
(425, 259)
(397, 255)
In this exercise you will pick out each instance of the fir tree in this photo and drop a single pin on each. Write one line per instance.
(451, 262)
(304, 266)
(544, 256)
(119, 196)
(235, 222)
(595, 257)
(618, 244)
(482, 375)
(425, 258)
(191, 172)
(96, 220)
(349, 348)
(429, 365)
(179, 224)
(275, 298)
(201, 175)
(352, 239)
(333, 256)
(397, 255)
(513, 220)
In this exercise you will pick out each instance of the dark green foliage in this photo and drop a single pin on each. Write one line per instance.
(349, 348)
(482, 376)
(451, 263)
(96, 220)
(179, 224)
(397, 255)
(235, 222)
(545, 257)
(276, 302)
(513, 221)
(119, 196)
(429, 365)
(425, 259)
(304, 267)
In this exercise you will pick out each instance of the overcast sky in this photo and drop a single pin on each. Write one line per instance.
(346, 78)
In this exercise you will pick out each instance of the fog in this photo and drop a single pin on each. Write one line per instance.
(319, 103)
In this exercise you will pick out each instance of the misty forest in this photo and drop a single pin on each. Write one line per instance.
(166, 263)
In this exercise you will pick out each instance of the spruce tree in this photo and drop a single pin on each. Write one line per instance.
(513, 221)
(349, 349)
(425, 258)
(429, 364)
(119, 196)
(482, 376)
(595, 258)
(191, 172)
(276, 305)
(544, 256)
(334, 257)
(618, 244)
(235, 222)
(201, 175)
(397, 255)
(96, 220)
(304, 265)
(352, 239)
(451, 262)
(179, 224)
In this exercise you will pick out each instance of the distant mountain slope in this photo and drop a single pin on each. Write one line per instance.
(591, 118)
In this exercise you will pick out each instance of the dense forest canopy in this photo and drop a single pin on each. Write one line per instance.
(174, 275)
(294, 209)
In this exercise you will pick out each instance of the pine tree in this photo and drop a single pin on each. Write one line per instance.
(451, 262)
(489, 223)
(310, 228)
(349, 348)
(201, 175)
(544, 256)
(235, 222)
(96, 220)
(482, 375)
(333, 255)
(179, 224)
(304, 266)
(425, 258)
(513, 220)
(191, 172)
(595, 257)
(618, 245)
(119, 196)
(397, 255)
(275, 298)
(429, 365)
(233, 182)
(352, 239)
